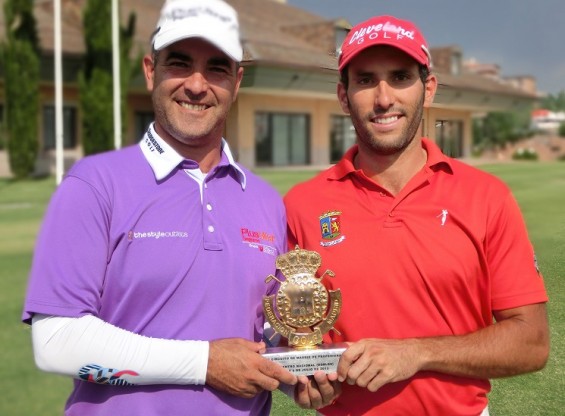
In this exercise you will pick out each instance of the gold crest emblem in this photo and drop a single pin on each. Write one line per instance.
(306, 310)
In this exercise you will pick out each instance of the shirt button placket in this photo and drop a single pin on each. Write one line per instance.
(209, 217)
(210, 227)
(212, 240)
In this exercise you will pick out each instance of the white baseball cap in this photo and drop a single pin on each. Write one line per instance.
(212, 20)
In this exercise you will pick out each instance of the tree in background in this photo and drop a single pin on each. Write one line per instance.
(554, 102)
(497, 129)
(20, 59)
(95, 81)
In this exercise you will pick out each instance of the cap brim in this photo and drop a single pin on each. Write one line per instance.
(409, 51)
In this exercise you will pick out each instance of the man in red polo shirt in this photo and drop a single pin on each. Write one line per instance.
(440, 287)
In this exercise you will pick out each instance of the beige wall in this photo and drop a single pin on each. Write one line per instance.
(241, 132)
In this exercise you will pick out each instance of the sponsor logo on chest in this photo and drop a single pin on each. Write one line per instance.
(261, 240)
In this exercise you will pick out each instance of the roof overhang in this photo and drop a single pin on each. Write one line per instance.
(265, 78)
(294, 81)
(481, 100)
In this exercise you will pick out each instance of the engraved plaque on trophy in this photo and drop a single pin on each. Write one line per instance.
(302, 311)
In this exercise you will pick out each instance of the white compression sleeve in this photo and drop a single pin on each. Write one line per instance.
(91, 349)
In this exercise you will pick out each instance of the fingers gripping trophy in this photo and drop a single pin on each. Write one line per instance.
(303, 311)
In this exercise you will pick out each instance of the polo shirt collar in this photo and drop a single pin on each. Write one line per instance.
(163, 159)
(436, 160)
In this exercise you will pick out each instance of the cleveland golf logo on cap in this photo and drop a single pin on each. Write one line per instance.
(388, 30)
(385, 30)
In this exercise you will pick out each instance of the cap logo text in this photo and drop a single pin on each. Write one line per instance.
(180, 14)
(373, 32)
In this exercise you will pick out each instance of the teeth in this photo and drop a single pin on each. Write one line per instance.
(386, 120)
(193, 107)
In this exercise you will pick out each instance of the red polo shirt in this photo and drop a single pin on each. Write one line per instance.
(436, 259)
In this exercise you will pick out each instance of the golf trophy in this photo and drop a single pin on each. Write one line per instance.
(302, 311)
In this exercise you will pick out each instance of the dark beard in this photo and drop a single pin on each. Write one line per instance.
(389, 148)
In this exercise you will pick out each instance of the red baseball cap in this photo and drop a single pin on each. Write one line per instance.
(385, 30)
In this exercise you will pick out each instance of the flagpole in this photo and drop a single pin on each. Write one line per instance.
(117, 77)
(58, 95)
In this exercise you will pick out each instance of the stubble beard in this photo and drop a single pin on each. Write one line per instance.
(181, 130)
(386, 146)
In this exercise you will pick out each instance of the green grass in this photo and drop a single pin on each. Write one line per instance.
(539, 189)
(26, 391)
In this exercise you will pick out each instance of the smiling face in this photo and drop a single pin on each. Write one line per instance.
(385, 98)
(193, 86)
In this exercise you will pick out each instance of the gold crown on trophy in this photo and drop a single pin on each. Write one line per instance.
(299, 261)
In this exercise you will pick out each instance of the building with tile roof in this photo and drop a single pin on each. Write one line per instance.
(287, 112)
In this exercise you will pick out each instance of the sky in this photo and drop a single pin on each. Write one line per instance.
(522, 37)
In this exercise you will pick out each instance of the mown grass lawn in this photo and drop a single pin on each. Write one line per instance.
(539, 189)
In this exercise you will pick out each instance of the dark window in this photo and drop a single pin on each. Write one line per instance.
(142, 121)
(449, 137)
(342, 137)
(282, 139)
(69, 127)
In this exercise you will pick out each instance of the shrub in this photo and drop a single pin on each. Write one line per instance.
(562, 130)
(22, 106)
(97, 122)
(2, 137)
(525, 154)
(19, 60)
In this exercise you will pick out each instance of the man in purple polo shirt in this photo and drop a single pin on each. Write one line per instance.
(150, 266)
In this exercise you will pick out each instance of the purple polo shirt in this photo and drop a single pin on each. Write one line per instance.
(131, 238)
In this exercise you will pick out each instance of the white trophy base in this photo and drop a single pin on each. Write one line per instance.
(324, 357)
